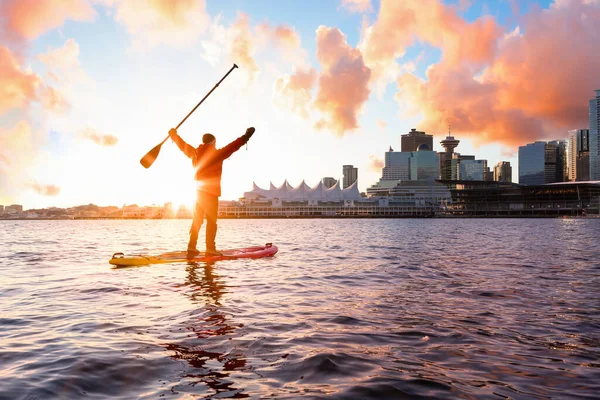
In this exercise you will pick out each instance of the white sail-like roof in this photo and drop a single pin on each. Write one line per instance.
(304, 192)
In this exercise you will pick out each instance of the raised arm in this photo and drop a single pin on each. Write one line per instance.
(183, 146)
(234, 146)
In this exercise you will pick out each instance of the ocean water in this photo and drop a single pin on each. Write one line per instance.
(348, 309)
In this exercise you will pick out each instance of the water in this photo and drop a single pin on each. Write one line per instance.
(348, 309)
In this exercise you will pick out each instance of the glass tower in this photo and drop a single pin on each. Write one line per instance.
(532, 163)
(595, 137)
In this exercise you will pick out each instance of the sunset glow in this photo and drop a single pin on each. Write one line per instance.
(87, 87)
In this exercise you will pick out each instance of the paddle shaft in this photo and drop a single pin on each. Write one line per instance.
(201, 101)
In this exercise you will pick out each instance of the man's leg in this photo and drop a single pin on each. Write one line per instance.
(196, 223)
(211, 210)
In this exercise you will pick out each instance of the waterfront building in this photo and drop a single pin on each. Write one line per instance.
(578, 155)
(329, 181)
(421, 193)
(445, 157)
(594, 137)
(413, 139)
(350, 175)
(13, 209)
(302, 193)
(473, 170)
(503, 172)
(542, 162)
(1, 209)
(498, 199)
(423, 164)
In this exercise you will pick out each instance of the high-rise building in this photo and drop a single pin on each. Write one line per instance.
(424, 164)
(457, 158)
(542, 162)
(561, 170)
(503, 172)
(414, 138)
(350, 175)
(595, 137)
(397, 166)
(578, 155)
(445, 157)
(329, 182)
(473, 170)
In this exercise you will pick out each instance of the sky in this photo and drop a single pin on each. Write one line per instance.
(87, 87)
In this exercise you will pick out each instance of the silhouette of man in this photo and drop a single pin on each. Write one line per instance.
(208, 164)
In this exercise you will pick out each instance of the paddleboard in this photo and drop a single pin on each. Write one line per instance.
(122, 260)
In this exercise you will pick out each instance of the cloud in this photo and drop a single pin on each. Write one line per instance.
(375, 163)
(381, 124)
(24, 20)
(17, 87)
(294, 92)
(53, 100)
(358, 6)
(19, 148)
(343, 82)
(161, 22)
(523, 92)
(45, 190)
(100, 139)
(400, 23)
(242, 45)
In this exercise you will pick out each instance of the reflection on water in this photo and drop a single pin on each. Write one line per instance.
(205, 291)
(348, 309)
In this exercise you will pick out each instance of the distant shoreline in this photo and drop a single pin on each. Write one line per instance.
(323, 217)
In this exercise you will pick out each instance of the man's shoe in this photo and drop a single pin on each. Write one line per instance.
(192, 252)
(213, 253)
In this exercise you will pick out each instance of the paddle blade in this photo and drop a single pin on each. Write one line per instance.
(150, 157)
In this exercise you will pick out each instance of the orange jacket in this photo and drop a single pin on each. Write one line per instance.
(208, 162)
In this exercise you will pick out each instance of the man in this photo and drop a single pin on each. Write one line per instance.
(208, 163)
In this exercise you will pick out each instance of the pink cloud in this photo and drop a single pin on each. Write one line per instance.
(161, 22)
(358, 6)
(27, 19)
(17, 88)
(400, 23)
(100, 139)
(45, 190)
(295, 91)
(343, 83)
(381, 124)
(243, 46)
(534, 84)
(375, 163)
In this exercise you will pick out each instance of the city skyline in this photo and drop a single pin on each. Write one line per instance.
(90, 86)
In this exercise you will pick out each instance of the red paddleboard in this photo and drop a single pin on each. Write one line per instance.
(122, 260)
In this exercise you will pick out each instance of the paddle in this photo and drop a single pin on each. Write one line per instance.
(150, 157)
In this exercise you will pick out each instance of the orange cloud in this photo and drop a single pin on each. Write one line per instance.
(536, 84)
(45, 190)
(376, 164)
(400, 23)
(381, 124)
(242, 45)
(343, 83)
(17, 88)
(162, 22)
(281, 36)
(102, 140)
(27, 19)
(358, 6)
(295, 91)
